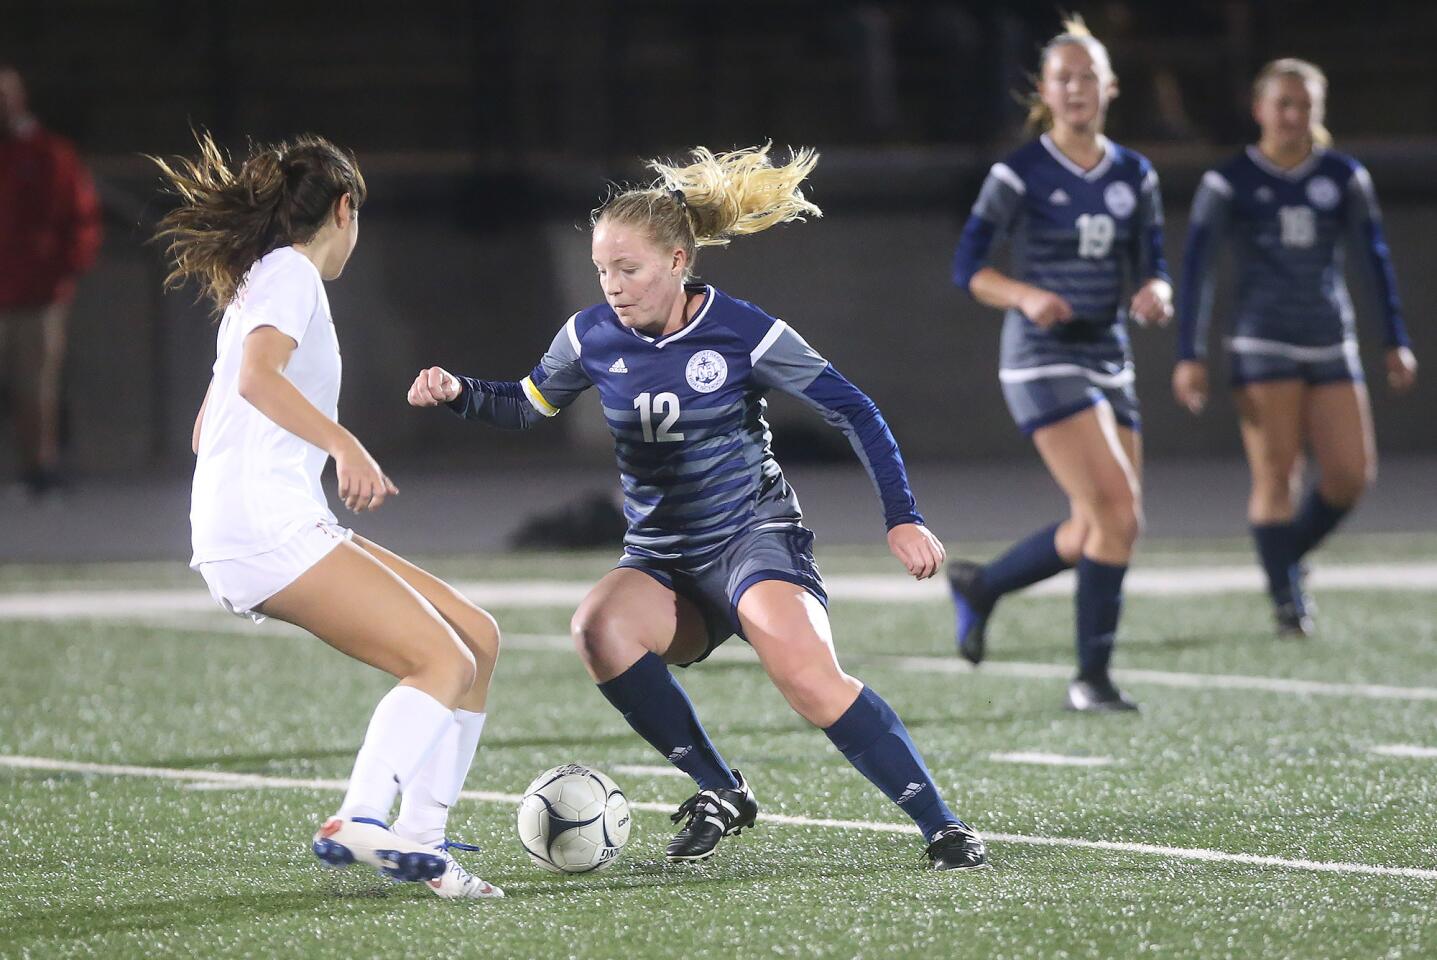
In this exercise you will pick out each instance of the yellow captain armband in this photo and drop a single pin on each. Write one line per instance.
(537, 398)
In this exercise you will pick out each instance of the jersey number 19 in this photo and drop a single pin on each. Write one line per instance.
(1095, 235)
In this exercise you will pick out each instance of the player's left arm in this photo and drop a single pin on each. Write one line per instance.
(784, 361)
(1153, 301)
(1365, 233)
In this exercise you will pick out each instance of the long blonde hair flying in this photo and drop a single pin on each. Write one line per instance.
(716, 197)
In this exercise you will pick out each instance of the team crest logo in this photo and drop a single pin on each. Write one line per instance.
(1323, 193)
(1120, 199)
(707, 371)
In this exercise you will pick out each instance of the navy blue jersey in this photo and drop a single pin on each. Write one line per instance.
(687, 415)
(1286, 229)
(1090, 236)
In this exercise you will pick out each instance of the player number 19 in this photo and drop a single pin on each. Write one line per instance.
(1095, 235)
(665, 405)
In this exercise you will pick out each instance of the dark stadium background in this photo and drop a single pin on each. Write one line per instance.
(488, 130)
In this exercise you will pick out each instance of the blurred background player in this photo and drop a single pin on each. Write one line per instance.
(1083, 218)
(49, 236)
(1284, 206)
(716, 544)
(261, 242)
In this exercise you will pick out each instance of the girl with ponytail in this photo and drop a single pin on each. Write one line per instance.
(716, 543)
(261, 241)
(1083, 218)
(1288, 206)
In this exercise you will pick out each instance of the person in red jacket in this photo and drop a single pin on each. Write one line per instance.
(49, 235)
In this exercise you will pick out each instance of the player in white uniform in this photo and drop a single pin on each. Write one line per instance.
(261, 241)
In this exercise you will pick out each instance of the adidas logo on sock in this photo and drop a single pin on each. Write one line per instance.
(619, 366)
(678, 753)
(1059, 198)
(911, 791)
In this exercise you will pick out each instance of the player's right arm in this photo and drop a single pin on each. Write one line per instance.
(1208, 225)
(263, 385)
(511, 404)
(999, 203)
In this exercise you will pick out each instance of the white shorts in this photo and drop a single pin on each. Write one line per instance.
(241, 584)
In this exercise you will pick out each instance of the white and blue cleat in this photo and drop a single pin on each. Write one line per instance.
(341, 842)
(456, 883)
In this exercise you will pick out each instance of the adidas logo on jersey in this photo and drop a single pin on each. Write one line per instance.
(911, 791)
(1059, 198)
(619, 366)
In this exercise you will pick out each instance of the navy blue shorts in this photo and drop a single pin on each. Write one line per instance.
(1040, 396)
(714, 583)
(1252, 360)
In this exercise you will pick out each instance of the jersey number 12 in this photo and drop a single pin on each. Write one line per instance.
(665, 405)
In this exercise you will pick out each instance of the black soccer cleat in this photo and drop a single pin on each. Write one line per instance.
(972, 606)
(712, 815)
(1098, 695)
(1293, 621)
(957, 847)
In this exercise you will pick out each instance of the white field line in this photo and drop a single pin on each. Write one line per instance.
(1167, 678)
(1190, 581)
(1052, 759)
(1406, 750)
(1182, 853)
(220, 623)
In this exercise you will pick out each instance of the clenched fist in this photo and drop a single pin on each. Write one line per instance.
(433, 387)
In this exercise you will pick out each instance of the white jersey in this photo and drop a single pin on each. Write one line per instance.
(256, 484)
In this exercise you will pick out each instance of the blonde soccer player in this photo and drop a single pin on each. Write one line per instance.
(1083, 220)
(1289, 207)
(716, 543)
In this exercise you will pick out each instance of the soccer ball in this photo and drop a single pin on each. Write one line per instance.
(573, 819)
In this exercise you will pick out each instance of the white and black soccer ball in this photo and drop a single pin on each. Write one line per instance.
(573, 819)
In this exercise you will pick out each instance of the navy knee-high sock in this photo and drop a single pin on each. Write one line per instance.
(1099, 605)
(1026, 562)
(1277, 551)
(659, 711)
(875, 741)
(1314, 521)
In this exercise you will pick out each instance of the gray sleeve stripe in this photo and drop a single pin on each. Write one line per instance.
(1150, 182)
(1217, 182)
(769, 339)
(1362, 182)
(1005, 173)
(574, 335)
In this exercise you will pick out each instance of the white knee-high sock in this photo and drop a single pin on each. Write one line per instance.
(424, 808)
(406, 726)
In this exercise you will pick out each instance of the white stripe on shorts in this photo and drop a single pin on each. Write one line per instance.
(1122, 378)
(1277, 348)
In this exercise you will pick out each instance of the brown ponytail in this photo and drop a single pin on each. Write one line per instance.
(226, 220)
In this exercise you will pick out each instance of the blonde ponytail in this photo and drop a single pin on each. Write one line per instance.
(715, 198)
